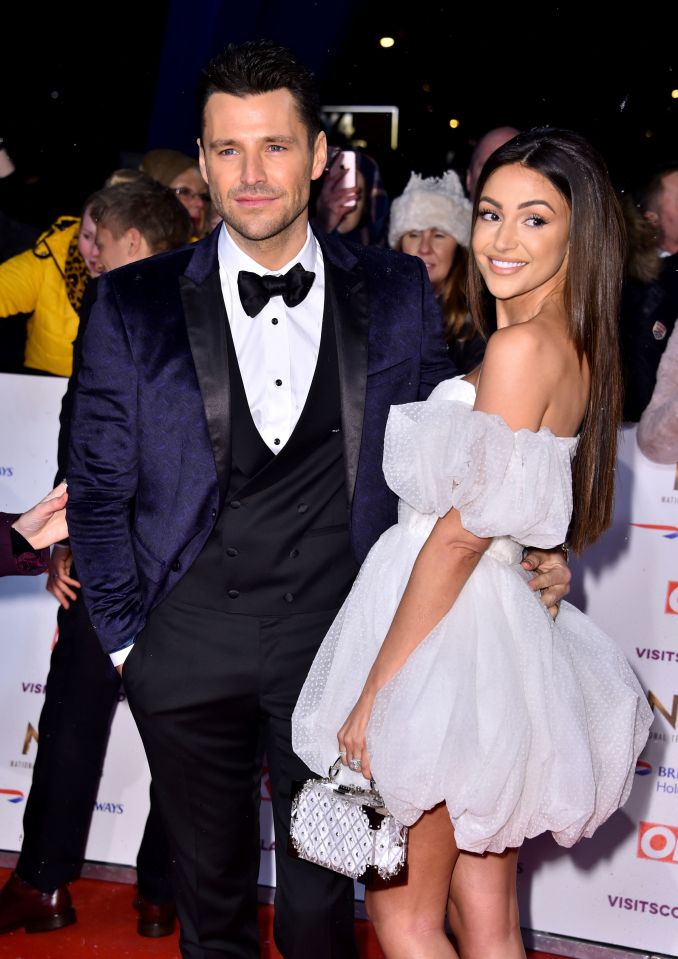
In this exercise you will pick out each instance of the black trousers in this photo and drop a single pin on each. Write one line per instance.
(82, 692)
(211, 693)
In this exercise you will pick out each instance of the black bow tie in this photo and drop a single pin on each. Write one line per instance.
(255, 291)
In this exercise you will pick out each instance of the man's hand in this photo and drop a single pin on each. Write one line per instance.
(59, 581)
(552, 576)
(45, 523)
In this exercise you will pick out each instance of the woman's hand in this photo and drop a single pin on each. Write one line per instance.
(351, 736)
(45, 523)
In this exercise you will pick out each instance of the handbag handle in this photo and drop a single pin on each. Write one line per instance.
(370, 793)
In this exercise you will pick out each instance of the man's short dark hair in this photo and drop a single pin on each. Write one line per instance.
(259, 66)
(648, 195)
(147, 206)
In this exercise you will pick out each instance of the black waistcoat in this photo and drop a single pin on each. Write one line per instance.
(281, 545)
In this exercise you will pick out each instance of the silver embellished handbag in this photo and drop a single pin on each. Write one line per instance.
(346, 828)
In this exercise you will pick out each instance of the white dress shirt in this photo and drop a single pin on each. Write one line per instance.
(277, 349)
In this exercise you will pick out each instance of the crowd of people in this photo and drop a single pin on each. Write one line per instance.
(243, 562)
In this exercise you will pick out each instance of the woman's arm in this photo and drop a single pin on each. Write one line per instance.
(451, 553)
(658, 427)
(20, 283)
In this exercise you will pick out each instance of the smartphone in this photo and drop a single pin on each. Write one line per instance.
(346, 159)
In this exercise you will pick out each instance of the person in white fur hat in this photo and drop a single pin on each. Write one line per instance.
(432, 220)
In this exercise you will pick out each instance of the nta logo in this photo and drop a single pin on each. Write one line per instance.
(12, 795)
(672, 599)
(31, 734)
(656, 703)
(658, 842)
(643, 768)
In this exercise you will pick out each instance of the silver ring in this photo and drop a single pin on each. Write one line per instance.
(342, 752)
(355, 765)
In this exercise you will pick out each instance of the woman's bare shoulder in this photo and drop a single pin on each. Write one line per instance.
(520, 371)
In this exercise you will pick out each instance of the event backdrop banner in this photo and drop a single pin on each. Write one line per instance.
(618, 887)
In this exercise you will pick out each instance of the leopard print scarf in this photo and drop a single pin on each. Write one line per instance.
(76, 275)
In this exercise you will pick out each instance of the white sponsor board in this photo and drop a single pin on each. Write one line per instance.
(620, 887)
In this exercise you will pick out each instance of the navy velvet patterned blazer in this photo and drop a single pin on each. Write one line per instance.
(148, 462)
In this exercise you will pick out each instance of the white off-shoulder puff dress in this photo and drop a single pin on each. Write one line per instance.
(519, 724)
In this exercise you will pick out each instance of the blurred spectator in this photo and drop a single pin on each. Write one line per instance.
(182, 174)
(432, 220)
(49, 282)
(359, 213)
(650, 307)
(658, 202)
(483, 149)
(125, 175)
(658, 427)
(135, 220)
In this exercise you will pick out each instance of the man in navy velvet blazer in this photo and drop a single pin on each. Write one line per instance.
(225, 482)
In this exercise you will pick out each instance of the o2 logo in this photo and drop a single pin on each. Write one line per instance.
(657, 842)
(672, 599)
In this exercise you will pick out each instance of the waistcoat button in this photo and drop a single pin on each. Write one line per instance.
(288, 597)
(176, 566)
(294, 554)
(231, 551)
(302, 507)
(235, 504)
(233, 593)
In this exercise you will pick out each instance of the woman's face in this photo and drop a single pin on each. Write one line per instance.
(191, 189)
(87, 242)
(521, 235)
(435, 248)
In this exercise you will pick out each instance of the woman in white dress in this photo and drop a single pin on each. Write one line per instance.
(482, 721)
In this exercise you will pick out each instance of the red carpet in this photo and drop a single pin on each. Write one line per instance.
(106, 929)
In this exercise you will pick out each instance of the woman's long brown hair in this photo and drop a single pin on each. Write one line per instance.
(591, 300)
(452, 298)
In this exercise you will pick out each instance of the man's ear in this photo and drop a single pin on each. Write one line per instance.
(134, 241)
(652, 218)
(319, 156)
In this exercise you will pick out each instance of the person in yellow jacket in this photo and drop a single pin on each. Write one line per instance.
(48, 281)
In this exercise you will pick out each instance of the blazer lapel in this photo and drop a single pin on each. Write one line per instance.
(348, 297)
(206, 320)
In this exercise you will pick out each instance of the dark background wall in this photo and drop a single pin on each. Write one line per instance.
(87, 89)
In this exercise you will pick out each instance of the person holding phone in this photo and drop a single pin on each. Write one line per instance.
(353, 201)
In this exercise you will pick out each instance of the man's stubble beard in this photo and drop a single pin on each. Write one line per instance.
(268, 229)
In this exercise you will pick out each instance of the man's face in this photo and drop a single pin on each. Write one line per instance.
(256, 158)
(113, 251)
(667, 213)
(485, 148)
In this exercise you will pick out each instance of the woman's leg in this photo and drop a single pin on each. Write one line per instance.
(410, 919)
(483, 906)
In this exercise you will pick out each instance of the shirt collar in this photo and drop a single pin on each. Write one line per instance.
(232, 259)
